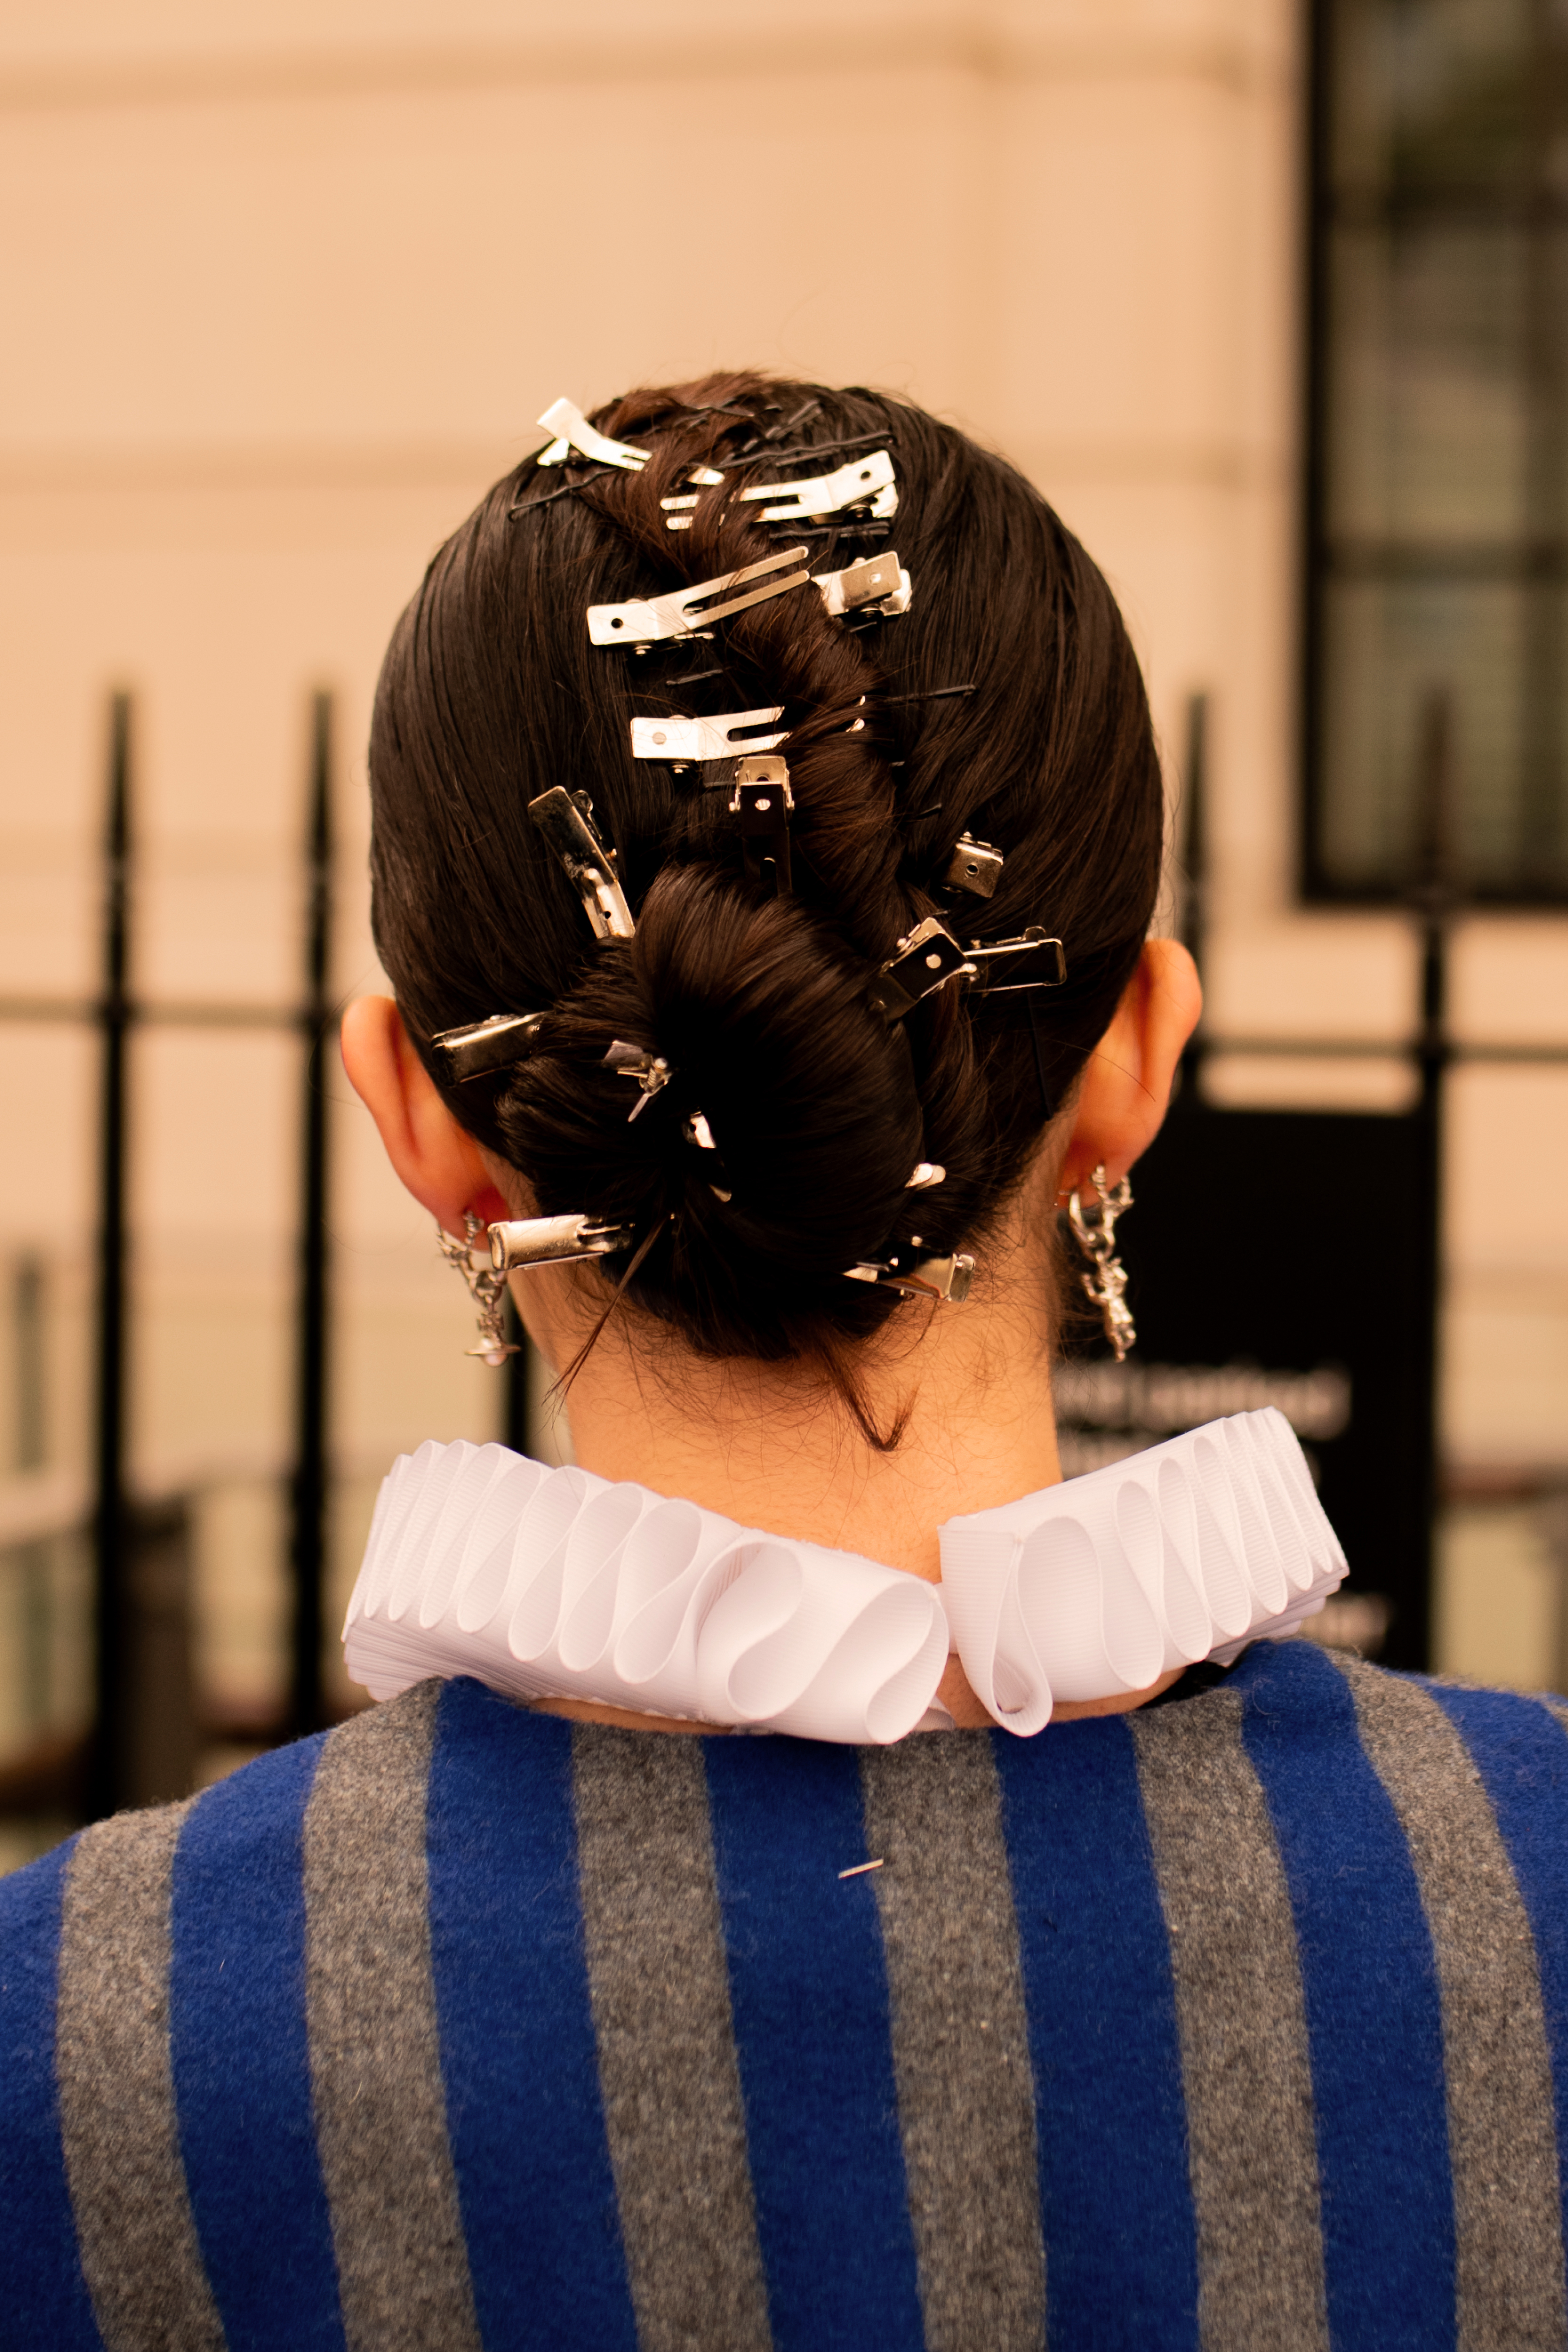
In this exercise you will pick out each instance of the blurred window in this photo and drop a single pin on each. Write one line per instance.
(1438, 524)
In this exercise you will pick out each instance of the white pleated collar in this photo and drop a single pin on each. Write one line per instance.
(556, 1583)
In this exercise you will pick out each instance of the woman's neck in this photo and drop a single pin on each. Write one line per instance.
(769, 1446)
(762, 1444)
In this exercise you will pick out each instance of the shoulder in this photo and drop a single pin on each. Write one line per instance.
(240, 1841)
(1296, 1700)
(1352, 1768)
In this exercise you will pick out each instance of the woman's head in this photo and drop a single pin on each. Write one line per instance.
(818, 1105)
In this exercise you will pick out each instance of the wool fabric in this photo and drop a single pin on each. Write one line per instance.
(1237, 2021)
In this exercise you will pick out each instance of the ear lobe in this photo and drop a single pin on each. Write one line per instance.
(438, 1161)
(1127, 1079)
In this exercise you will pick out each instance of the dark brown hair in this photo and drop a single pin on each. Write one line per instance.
(818, 1106)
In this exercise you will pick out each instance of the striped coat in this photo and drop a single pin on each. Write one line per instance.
(1238, 2022)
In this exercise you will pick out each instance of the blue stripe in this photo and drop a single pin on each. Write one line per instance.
(517, 2032)
(808, 1992)
(1374, 2025)
(1522, 1757)
(1116, 2203)
(241, 2060)
(44, 2300)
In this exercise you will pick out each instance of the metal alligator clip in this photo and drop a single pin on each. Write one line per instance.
(564, 418)
(928, 958)
(686, 611)
(860, 482)
(484, 1046)
(651, 1071)
(973, 867)
(764, 803)
(683, 740)
(1007, 967)
(524, 1242)
(697, 1130)
(880, 585)
(863, 481)
(567, 823)
(928, 1277)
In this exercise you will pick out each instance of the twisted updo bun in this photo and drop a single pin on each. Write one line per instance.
(818, 1106)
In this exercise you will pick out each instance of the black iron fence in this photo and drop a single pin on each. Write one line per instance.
(147, 1726)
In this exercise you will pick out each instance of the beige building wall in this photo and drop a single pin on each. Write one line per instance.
(284, 288)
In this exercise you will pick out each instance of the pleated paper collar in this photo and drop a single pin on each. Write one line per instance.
(547, 1583)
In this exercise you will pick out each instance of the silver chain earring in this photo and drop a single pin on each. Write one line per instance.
(1106, 1286)
(487, 1289)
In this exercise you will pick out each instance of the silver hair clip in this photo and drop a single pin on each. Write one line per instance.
(764, 803)
(566, 821)
(697, 1130)
(686, 611)
(928, 1173)
(651, 1071)
(1006, 967)
(928, 1277)
(862, 482)
(973, 867)
(927, 959)
(879, 584)
(564, 418)
(484, 1046)
(683, 740)
(523, 1242)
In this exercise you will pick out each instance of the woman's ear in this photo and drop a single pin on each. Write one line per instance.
(439, 1161)
(1127, 1083)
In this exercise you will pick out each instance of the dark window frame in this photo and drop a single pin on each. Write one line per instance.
(1317, 886)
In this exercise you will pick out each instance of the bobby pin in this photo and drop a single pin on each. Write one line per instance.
(788, 457)
(787, 424)
(526, 505)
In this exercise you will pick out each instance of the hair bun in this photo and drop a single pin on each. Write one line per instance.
(765, 1015)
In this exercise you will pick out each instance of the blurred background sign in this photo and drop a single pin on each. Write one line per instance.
(1268, 300)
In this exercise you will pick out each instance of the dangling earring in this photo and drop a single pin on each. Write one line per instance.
(1107, 1285)
(487, 1287)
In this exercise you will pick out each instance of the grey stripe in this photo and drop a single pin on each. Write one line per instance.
(960, 2047)
(1241, 2021)
(1502, 2144)
(139, 2250)
(375, 2067)
(661, 1992)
